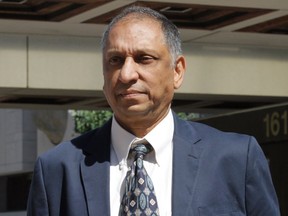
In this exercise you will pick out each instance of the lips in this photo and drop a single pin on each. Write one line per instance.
(130, 93)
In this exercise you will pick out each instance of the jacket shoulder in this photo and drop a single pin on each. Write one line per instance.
(91, 142)
(215, 138)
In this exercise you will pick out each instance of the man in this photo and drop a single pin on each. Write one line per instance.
(196, 170)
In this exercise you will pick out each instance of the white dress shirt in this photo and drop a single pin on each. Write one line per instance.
(158, 166)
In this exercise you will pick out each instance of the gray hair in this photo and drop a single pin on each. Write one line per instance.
(170, 31)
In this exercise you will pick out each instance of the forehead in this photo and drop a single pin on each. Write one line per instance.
(133, 33)
(137, 18)
(138, 22)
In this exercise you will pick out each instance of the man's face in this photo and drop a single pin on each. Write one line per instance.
(139, 78)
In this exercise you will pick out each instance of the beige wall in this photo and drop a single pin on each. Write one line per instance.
(74, 63)
(13, 61)
(236, 71)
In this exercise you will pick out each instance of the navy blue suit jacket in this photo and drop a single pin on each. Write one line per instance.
(214, 173)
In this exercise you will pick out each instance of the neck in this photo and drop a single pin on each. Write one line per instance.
(141, 126)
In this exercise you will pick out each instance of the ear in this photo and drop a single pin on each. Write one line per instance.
(179, 71)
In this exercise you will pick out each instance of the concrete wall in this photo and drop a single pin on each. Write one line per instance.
(13, 61)
(74, 63)
(18, 140)
(236, 71)
(23, 138)
(25, 134)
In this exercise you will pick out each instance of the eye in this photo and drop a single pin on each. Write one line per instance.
(116, 60)
(145, 59)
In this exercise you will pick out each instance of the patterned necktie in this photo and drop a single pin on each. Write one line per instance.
(139, 196)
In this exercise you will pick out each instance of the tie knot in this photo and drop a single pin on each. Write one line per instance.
(140, 150)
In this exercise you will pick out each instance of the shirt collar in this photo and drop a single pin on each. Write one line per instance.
(121, 139)
(161, 137)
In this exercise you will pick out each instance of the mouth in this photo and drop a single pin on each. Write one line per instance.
(131, 94)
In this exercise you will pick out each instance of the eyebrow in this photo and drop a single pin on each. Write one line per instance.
(137, 51)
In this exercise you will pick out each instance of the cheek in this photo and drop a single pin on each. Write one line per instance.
(107, 87)
(167, 80)
(162, 86)
(109, 79)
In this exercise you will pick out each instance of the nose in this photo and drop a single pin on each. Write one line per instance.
(128, 71)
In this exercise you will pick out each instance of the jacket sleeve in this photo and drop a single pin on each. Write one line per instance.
(37, 200)
(261, 199)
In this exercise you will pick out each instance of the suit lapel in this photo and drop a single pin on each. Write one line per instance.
(96, 185)
(95, 170)
(186, 153)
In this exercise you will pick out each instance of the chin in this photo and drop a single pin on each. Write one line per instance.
(134, 111)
